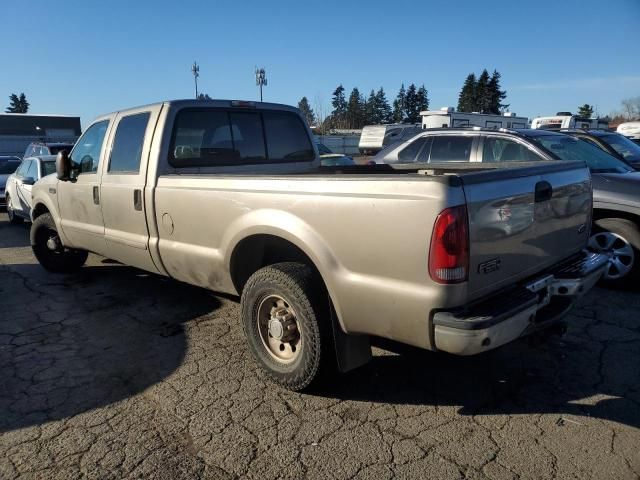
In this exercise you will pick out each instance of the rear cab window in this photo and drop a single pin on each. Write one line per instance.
(227, 137)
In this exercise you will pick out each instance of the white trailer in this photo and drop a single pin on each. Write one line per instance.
(630, 129)
(567, 120)
(447, 117)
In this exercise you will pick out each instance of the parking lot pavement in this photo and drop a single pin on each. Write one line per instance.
(113, 373)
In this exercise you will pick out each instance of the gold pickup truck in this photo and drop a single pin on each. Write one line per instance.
(230, 196)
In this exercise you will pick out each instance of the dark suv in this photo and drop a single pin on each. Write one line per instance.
(40, 149)
(616, 186)
(611, 142)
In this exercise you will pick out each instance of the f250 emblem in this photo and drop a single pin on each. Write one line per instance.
(582, 228)
(489, 266)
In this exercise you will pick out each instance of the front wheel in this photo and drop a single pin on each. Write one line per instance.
(620, 238)
(13, 218)
(48, 248)
(285, 316)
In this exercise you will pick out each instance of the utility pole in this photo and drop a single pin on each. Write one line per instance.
(261, 79)
(195, 69)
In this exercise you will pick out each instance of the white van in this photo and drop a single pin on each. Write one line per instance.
(375, 137)
(629, 129)
(567, 120)
(447, 117)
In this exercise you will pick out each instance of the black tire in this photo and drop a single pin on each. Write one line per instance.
(58, 259)
(303, 294)
(13, 218)
(627, 232)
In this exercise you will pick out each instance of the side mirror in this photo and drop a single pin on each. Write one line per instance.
(28, 181)
(63, 166)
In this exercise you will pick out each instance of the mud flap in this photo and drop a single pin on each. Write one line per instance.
(352, 351)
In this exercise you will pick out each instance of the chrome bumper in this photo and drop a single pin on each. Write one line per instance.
(532, 306)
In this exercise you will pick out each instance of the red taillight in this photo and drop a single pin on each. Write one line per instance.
(449, 253)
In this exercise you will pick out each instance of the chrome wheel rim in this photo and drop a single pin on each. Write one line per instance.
(279, 329)
(621, 253)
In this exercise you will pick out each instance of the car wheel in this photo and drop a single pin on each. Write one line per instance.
(48, 248)
(285, 316)
(13, 218)
(620, 238)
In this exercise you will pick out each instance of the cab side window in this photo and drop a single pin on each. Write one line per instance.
(410, 152)
(85, 156)
(127, 145)
(504, 150)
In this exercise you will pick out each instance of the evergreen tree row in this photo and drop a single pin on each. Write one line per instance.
(356, 111)
(482, 94)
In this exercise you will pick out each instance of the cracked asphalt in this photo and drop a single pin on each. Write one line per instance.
(114, 373)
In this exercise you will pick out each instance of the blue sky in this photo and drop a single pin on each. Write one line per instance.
(89, 57)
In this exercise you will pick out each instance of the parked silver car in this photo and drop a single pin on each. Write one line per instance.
(8, 165)
(18, 189)
(616, 186)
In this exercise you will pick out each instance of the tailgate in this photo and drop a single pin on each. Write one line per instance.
(523, 220)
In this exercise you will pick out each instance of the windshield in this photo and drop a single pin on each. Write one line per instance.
(7, 167)
(630, 151)
(48, 168)
(569, 148)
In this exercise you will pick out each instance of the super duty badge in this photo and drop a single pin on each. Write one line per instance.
(489, 266)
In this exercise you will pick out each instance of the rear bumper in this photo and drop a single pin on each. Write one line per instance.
(529, 307)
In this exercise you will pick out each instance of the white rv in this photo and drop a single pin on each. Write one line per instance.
(375, 137)
(447, 117)
(567, 120)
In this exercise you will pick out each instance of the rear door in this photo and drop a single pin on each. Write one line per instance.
(521, 223)
(122, 188)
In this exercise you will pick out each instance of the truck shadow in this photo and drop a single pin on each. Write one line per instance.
(72, 343)
(572, 375)
(13, 236)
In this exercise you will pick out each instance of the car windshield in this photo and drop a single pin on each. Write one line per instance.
(48, 168)
(7, 167)
(570, 148)
(630, 151)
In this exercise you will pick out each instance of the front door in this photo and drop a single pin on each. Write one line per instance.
(123, 188)
(79, 199)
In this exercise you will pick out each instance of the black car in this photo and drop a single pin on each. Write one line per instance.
(611, 142)
(616, 185)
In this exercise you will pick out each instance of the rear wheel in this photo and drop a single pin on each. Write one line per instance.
(13, 218)
(620, 238)
(48, 248)
(285, 315)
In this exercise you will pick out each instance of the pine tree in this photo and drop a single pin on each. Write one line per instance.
(370, 109)
(355, 109)
(339, 104)
(496, 96)
(423, 99)
(17, 104)
(585, 110)
(399, 106)
(483, 95)
(467, 97)
(307, 111)
(412, 109)
(383, 110)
